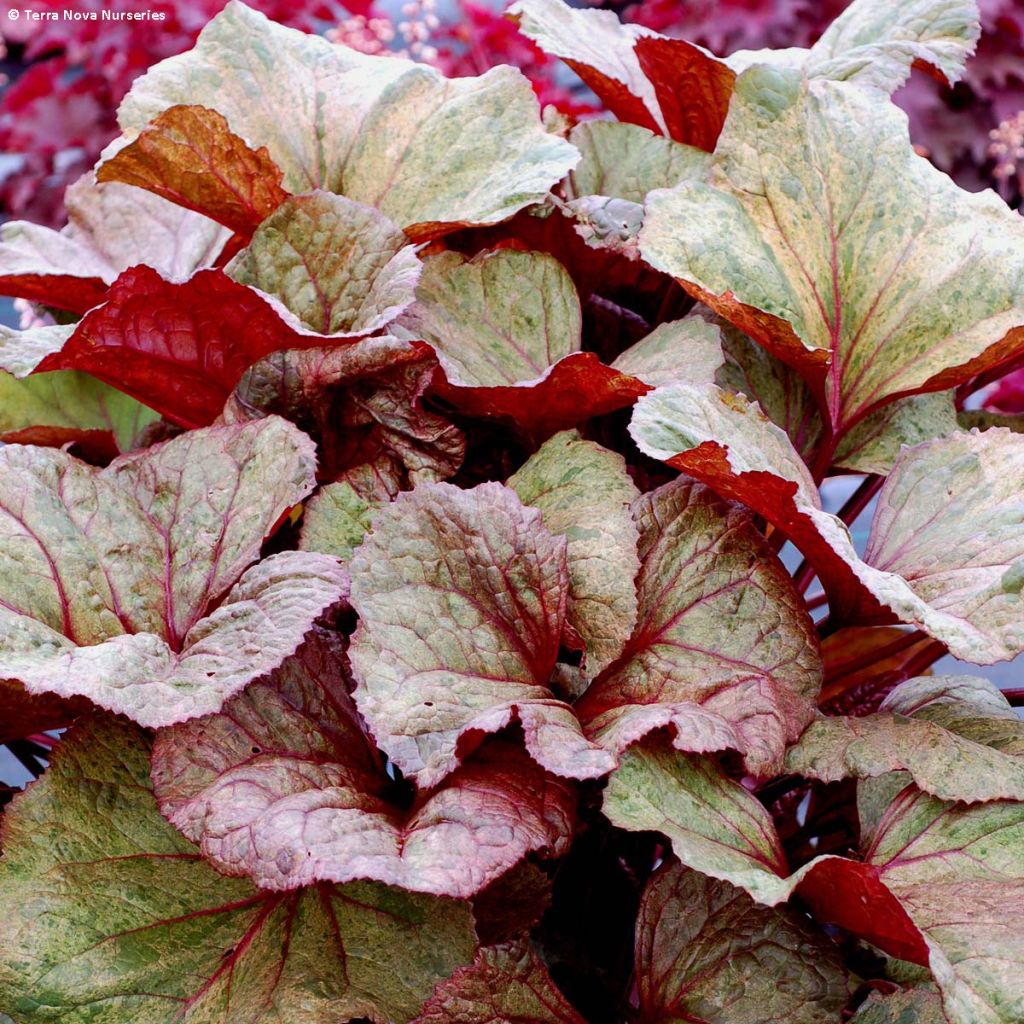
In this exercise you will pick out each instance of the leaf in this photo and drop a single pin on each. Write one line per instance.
(283, 786)
(627, 161)
(190, 157)
(705, 951)
(719, 828)
(338, 268)
(110, 911)
(910, 1006)
(111, 227)
(506, 329)
(861, 662)
(875, 443)
(505, 984)
(363, 405)
(22, 351)
(689, 349)
(584, 494)
(939, 761)
(958, 872)
(179, 348)
(134, 585)
(69, 406)
(750, 688)
(967, 596)
(715, 825)
(432, 154)
(461, 598)
(666, 85)
(335, 521)
(897, 261)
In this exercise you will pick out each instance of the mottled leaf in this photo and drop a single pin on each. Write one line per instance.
(337, 268)
(335, 521)
(284, 787)
(680, 350)
(189, 156)
(505, 984)
(667, 85)
(933, 559)
(896, 263)
(584, 493)
(706, 951)
(461, 597)
(56, 408)
(940, 761)
(110, 915)
(910, 1006)
(431, 153)
(752, 687)
(626, 161)
(111, 227)
(22, 351)
(134, 585)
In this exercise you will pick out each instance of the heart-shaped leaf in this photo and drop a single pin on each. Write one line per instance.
(461, 597)
(283, 786)
(134, 585)
(107, 906)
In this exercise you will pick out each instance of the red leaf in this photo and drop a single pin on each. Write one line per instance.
(59, 291)
(179, 348)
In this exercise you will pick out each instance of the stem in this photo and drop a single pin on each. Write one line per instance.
(861, 498)
(889, 650)
(1015, 697)
(27, 754)
(803, 576)
(823, 454)
(990, 376)
(816, 600)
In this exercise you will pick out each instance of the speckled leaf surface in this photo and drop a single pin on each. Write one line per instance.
(584, 494)
(337, 267)
(940, 761)
(285, 787)
(110, 228)
(929, 561)
(505, 984)
(876, 42)
(189, 156)
(715, 825)
(430, 152)
(111, 915)
(909, 1006)
(751, 689)
(335, 521)
(958, 872)
(502, 317)
(943, 264)
(461, 597)
(626, 161)
(680, 350)
(706, 951)
(134, 585)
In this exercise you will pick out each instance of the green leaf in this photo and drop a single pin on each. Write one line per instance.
(625, 161)
(461, 597)
(110, 915)
(910, 1006)
(330, 266)
(432, 154)
(705, 951)
(940, 761)
(505, 984)
(335, 521)
(680, 350)
(69, 403)
(714, 824)
(135, 585)
(850, 276)
(502, 317)
(584, 494)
